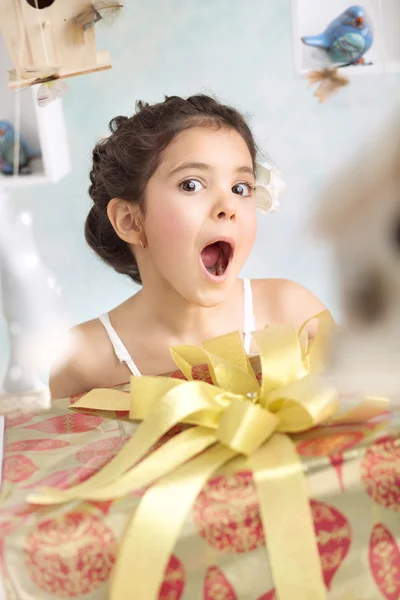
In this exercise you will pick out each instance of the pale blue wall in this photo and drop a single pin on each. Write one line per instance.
(242, 51)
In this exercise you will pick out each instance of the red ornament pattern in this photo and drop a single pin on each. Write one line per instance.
(102, 505)
(227, 514)
(333, 447)
(15, 421)
(121, 414)
(384, 560)
(268, 596)
(71, 555)
(217, 586)
(380, 472)
(178, 375)
(174, 580)
(199, 373)
(97, 454)
(35, 445)
(68, 423)
(18, 468)
(333, 533)
(202, 373)
(16, 510)
(64, 479)
(11, 517)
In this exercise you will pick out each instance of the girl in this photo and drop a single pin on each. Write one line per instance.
(174, 208)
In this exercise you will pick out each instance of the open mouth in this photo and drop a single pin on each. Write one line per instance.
(216, 257)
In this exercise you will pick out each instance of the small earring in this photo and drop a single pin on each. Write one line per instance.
(142, 244)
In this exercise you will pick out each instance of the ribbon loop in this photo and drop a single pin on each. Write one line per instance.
(315, 354)
(281, 360)
(244, 426)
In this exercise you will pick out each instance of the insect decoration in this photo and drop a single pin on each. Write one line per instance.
(92, 13)
(344, 43)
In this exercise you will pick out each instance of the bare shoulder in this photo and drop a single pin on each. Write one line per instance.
(88, 357)
(285, 301)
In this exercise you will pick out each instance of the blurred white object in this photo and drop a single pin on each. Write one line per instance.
(269, 187)
(31, 306)
(360, 216)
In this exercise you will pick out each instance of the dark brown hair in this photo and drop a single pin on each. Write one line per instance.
(124, 162)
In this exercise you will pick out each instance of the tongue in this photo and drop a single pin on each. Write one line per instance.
(210, 255)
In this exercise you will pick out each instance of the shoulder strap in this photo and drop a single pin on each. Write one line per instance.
(118, 345)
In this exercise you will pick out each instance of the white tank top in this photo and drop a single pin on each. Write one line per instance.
(124, 356)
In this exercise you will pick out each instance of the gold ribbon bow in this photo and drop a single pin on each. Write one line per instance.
(234, 416)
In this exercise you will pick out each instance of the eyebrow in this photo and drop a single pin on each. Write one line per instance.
(204, 167)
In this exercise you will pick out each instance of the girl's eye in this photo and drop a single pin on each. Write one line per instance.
(191, 185)
(242, 189)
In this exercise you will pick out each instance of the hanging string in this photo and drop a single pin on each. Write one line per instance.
(17, 96)
(42, 33)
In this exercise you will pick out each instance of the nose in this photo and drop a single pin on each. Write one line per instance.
(225, 207)
(359, 21)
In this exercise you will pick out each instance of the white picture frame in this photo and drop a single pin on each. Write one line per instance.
(43, 128)
(311, 17)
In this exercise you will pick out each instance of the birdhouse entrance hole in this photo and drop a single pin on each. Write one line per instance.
(40, 3)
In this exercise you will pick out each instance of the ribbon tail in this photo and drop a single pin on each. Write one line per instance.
(287, 520)
(111, 471)
(180, 402)
(161, 462)
(142, 559)
(366, 409)
(103, 399)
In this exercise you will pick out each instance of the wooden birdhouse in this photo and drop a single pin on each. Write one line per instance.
(49, 39)
(360, 218)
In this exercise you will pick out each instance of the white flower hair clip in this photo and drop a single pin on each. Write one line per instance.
(269, 187)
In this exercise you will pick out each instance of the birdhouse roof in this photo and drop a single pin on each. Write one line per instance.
(362, 185)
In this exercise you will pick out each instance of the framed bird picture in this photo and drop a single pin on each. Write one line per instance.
(346, 38)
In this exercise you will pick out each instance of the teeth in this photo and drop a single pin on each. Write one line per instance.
(217, 270)
(221, 269)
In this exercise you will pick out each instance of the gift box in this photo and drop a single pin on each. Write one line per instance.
(60, 539)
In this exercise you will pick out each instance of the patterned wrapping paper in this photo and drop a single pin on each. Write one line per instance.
(68, 551)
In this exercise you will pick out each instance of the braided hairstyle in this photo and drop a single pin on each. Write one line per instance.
(124, 162)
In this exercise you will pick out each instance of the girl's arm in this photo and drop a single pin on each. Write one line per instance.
(279, 301)
(85, 365)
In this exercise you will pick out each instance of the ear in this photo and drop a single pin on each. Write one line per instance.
(125, 217)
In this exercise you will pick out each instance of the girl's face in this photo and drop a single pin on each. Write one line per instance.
(200, 218)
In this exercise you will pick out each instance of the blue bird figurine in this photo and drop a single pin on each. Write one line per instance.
(346, 39)
(7, 143)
